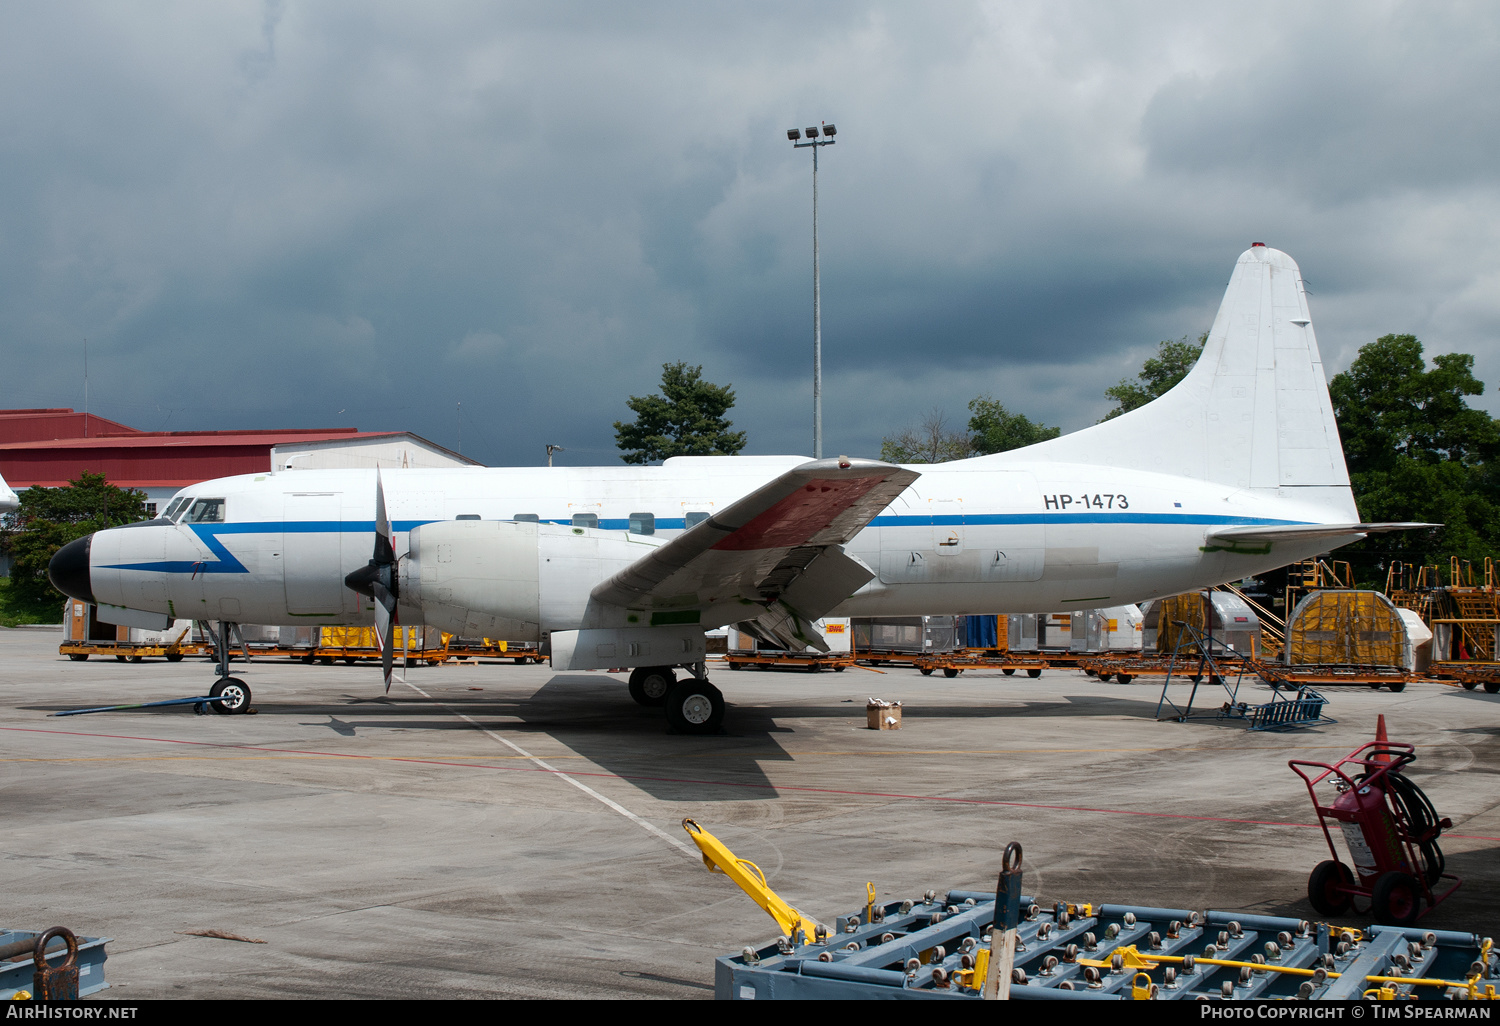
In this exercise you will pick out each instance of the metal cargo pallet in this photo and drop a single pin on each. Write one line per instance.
(811, 662)
(1469, 674)
(1126, 668)
(1299, 676)
(132, 651)
(17, 965)
(928, 949)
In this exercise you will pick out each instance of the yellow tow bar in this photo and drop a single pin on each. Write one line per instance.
(799, 928)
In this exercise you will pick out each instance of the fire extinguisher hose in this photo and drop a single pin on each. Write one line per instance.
(1421, 820)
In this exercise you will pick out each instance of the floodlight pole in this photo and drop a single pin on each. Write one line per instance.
(815, 142)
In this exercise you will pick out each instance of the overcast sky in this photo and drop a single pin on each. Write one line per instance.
(310, 214)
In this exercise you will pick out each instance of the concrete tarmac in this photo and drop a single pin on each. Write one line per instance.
(497, 831)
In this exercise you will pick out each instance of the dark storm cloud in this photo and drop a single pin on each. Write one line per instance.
(264, 214)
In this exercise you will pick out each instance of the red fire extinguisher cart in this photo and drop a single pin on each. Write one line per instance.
(1390, 829)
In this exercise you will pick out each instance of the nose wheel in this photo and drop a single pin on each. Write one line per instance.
(694, 706)
(236, 695)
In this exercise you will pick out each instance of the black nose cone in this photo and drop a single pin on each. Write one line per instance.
(69, 570)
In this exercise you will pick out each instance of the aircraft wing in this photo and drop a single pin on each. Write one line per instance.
(1303, 532)
(773, 559)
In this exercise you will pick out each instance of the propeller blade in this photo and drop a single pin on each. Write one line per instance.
(385, 622)
(378, 580)
(385, 552)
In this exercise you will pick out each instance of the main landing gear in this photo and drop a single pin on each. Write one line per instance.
(692, 705)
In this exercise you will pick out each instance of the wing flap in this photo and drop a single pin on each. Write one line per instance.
(773, 544)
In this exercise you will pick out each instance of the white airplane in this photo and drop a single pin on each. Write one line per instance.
(9, 500)
(1235, 471)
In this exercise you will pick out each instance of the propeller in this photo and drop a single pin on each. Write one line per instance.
(378, 580)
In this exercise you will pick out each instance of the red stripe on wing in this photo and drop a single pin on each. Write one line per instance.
(799, 516)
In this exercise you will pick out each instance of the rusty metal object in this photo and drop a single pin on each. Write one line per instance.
(56, 983)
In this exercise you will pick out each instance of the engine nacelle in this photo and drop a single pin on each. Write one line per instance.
(502, 579)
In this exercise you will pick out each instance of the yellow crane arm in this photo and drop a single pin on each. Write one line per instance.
(752, 881)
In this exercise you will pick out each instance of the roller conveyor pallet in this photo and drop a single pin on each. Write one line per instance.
(938, 949)
(18, 966)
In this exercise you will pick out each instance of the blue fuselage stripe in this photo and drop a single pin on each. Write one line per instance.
(228, 564)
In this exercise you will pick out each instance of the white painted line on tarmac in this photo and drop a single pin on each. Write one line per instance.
(682, 846)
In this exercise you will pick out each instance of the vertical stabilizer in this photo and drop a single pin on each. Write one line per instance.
(1254, 411)
(8, 499)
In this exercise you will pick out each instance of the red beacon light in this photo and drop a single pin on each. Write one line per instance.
(1254, 244)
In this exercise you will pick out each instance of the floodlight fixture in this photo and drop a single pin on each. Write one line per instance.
(811, 133)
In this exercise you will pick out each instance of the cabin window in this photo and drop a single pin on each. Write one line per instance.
(642, 523)
(585, 520)
(467, 516)
(526, 518)
(695, 518)
(206, 511)
(175, 508)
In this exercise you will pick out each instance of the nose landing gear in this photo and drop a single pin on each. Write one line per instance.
(235, 692)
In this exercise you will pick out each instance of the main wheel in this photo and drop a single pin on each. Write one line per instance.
(236, 695)
(649, 685)
(1033, 674)
(78, 657)
(1324, 888)
(1396, 899)
(694, 706)
(950, 671)
(1009, 671)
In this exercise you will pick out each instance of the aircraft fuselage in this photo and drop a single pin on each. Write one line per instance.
(967, 537)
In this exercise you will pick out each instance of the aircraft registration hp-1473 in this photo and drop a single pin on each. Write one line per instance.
(1236, 470)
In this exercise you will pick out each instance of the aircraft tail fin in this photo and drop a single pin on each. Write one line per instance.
(1253, 413)
(8, 499)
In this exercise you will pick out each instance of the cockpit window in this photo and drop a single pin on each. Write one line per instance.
(175, 508)
(206, 511)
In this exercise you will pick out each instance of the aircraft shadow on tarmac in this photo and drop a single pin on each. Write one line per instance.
(595, 717)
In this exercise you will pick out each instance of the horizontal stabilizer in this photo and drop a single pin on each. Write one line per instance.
(1302, 532)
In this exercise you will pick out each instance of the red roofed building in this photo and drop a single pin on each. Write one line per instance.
(49, 448)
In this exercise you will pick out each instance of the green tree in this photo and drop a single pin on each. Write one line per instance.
(49, 518)
(930, 442)
(1159, 373)
(1416, 451)
(687, 419)
(996, 429)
